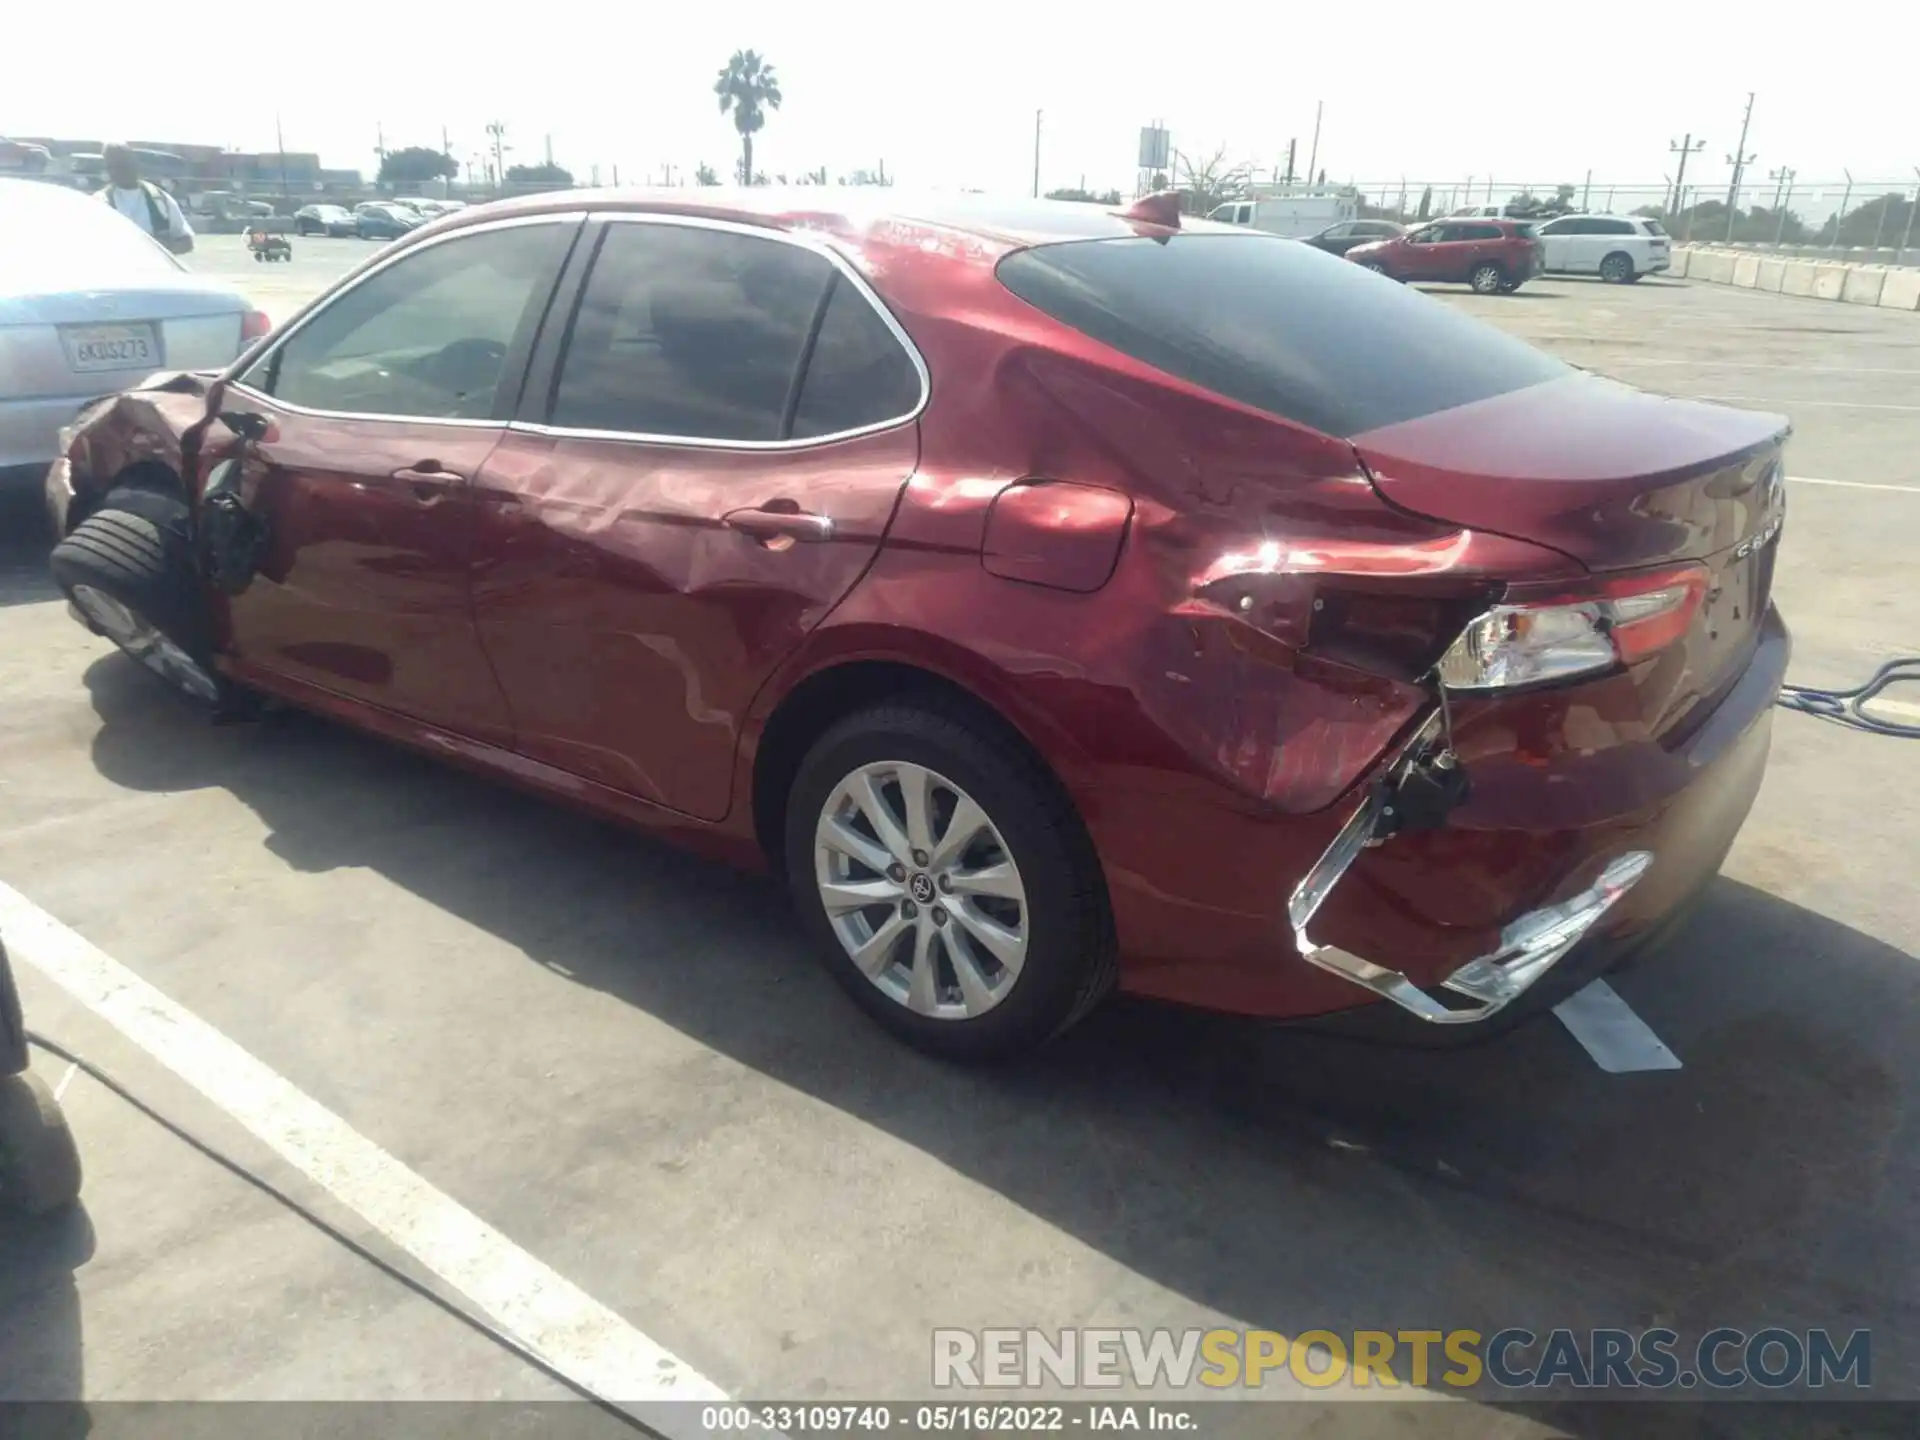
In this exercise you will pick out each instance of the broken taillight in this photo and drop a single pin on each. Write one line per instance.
(1613, 621)
(254, 325)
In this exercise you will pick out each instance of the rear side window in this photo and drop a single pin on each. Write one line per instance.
(1283, 327)
(688, 332)
(1482, 232)
(857, 376)
(1653, 227)
(1614, 227)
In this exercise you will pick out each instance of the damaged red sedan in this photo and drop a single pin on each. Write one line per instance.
(1060, 599)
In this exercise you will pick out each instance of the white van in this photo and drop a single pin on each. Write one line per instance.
(1295, 216)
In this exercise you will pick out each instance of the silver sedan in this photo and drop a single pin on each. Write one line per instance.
(89, 306)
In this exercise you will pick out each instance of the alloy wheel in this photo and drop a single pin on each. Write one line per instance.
(921, 890)
(136, 635)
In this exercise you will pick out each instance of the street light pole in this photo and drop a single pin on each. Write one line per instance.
(1036, 154)
(1782, 194)
(1914, 205)
(1313, 155)
(1683, 149)
(1740, 159)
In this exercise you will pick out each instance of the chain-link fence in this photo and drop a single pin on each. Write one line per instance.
(1877, 216)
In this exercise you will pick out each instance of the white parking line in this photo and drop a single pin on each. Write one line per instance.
(1854, 484)
(1763, 365)
(545, 1312)
(1824, 404)
(1619, 1041)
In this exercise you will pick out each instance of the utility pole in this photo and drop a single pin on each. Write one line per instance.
(1290, 145)
(446, 149)
(1036, 154)
(549, 151)
(1586, 192)
(1682, 148)
(1313, 155)
(280, 142)
(1740, 159)
(1840, 220)
(497, 132)
(1782, 193)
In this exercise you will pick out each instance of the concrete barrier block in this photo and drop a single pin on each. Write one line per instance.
(1829, 281)
(1772, 273)
(1863, 285)
(1797, 278)
(1718, 267)
(1678, 261)
(1746, 271)
(1901, 290)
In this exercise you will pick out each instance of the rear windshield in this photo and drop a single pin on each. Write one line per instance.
(1276, 324)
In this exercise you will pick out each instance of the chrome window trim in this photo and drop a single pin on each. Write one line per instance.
(325, 302)
(812, 241)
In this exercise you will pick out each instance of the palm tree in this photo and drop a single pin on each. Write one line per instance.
(747, 87)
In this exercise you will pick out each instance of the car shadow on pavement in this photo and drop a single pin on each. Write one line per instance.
(40, 1332)
(25, 539)
(1286, 1179)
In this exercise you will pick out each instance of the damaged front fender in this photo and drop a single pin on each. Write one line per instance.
(152, 429)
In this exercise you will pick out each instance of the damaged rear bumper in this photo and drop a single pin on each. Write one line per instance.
(1529, 947)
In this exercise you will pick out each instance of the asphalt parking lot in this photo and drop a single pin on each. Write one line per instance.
(623, 1060)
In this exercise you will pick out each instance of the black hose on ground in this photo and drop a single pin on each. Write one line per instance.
(1848, 707)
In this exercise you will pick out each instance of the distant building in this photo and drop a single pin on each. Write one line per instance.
(182, 168)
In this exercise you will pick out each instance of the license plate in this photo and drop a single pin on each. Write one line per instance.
(92, 348)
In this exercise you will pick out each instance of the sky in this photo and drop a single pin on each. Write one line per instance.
(946, 96)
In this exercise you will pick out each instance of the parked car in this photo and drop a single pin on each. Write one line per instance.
(1055, 598)
(1493, 256)
(1619, 248)
(89, 304)
(384, 220)
(1339, 239)
(325, 220)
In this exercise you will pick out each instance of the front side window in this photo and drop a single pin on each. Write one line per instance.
(689, 332)
(427, 336)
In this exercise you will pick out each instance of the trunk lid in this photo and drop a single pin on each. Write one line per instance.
(1619, 480)
(1612, 476)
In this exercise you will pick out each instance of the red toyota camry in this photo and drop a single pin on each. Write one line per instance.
(1061, 598)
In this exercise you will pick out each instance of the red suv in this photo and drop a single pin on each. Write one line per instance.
(1493, 256)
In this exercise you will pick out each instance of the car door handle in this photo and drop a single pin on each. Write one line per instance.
(768, 525)
(428, 480)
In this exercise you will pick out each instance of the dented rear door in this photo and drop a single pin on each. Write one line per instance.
(703, 468)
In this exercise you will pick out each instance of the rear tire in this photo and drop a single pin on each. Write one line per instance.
(1617, 268)
(129, 569)
(39, 1163)
(937, 986)
(1376, 267)
(1488, 278)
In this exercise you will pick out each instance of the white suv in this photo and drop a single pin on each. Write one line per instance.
(1619, 248)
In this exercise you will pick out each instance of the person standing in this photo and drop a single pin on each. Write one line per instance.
(143, 202)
